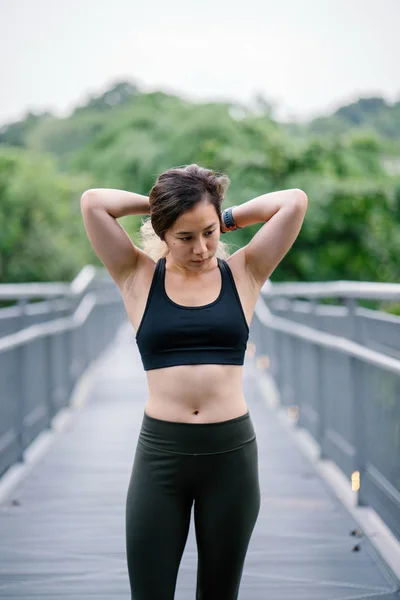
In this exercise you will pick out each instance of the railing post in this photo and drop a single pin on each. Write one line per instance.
(320, 430)
(295, 387)
(51, 304)
(22, 304)
(358, 420)
(21, 384)
(314, 305)
(357, 408)
(50, 381)
(20, 432)
(319, 387)
(69, 354)
(277, 370)
(354, 331)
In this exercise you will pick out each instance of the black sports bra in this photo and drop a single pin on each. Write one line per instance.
(171, 334)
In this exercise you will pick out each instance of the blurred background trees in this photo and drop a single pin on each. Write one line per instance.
(348, 163)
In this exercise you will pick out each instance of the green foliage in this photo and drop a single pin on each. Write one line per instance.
(367, 114)
(393, 308)
(16, 134)
(62, 138)
(351, 232)
(118, 95)
(125, 138)
(40, 222)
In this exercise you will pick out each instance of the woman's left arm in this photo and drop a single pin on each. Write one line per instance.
(284, 213)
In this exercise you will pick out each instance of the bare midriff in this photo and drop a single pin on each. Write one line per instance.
(196, 393)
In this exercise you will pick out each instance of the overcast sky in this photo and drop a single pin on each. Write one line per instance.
(306, 56)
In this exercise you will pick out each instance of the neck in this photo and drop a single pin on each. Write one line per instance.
(190, 270)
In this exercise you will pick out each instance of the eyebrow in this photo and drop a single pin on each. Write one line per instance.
(186, 232)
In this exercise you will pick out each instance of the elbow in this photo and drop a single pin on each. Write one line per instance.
(301, 199)
(87, 197)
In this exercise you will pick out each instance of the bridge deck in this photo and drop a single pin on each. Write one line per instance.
(62, 528)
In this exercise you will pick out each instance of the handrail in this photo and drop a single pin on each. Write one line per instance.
(19, 291)
(59, 348)
(83, 280)
(327, 340)
(342, 289)
(50, 327)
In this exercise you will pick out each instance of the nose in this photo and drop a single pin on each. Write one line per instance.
(200, 247)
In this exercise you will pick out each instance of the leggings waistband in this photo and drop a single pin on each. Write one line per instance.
(197, 438)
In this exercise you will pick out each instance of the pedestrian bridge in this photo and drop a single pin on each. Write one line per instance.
(322, 382)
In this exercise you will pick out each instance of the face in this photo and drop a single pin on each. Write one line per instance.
(194, 236)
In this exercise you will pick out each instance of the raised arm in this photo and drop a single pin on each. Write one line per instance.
(100, 210)
(284, 213)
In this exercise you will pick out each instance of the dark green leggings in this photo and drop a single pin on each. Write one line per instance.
(214, 465)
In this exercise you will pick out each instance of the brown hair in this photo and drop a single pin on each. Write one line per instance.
(177, 190)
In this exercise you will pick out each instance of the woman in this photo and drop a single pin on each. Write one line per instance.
(191, 305)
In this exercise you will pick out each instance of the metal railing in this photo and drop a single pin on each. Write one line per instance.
(342, 375)
(44, 349)
(339, 365)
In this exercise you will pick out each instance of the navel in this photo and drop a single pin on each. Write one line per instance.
(195, 412)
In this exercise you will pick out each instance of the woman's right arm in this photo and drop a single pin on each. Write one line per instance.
(100, 210)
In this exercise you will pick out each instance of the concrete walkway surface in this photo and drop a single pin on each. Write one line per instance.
(62, 526)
